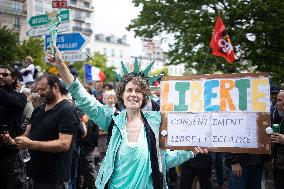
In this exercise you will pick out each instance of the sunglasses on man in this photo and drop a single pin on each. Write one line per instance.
(5, 74)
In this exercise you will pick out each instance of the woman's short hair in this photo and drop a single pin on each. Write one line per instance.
(137, 80)
(108, 94)
(30, 59)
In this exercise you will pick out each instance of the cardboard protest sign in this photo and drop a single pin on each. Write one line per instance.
(226, 113)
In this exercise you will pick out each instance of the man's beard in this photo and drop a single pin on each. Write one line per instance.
(48, 99)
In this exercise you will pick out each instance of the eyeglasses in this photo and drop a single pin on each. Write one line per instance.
(5, 74)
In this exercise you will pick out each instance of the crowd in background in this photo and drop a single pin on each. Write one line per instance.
(90, 142)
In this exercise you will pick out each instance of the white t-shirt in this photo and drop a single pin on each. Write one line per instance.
(29, 76)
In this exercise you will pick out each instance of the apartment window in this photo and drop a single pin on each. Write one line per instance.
(38, 7)
(74, 2)
(18, 7)
(78, 14)
(88, 15)
(105, 51)
(88, 50)
(176, 71)
(171, 71)
(86, 4)
(78, 24)
(112, 52)
(17, 22)
(88, 25)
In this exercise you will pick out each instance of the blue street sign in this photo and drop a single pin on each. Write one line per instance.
(67, 41)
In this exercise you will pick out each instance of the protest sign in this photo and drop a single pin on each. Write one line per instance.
(226, 113)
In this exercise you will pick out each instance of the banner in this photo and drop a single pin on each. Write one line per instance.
(221, 43)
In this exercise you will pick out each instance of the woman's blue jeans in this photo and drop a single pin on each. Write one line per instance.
(250, 179)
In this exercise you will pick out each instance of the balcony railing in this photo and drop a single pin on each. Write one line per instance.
(9, 9)
(79, 18)
(82, 7)
(87, 31)
(76, 28)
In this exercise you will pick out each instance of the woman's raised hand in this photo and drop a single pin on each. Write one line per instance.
(57, 61)
(54, 60)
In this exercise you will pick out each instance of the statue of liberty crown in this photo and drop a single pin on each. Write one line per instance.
(136, 72)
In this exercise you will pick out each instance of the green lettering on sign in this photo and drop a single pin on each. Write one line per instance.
(181, 87)
(43, 19)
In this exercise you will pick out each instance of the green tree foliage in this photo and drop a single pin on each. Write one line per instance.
(99, 61)
(163, 71)
(192, 22)
(34, 47)
(11, 51)
(9, 47)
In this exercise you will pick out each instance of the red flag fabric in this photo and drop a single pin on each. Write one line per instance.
(156, 83)
(221, 43)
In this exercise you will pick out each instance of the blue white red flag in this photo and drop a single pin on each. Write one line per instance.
(93, 73)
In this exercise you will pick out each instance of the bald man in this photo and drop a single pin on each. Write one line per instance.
(278, 140)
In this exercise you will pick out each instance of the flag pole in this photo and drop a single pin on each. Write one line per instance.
(205, 61)
(85, 79)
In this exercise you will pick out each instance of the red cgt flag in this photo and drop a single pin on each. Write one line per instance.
(221, 43)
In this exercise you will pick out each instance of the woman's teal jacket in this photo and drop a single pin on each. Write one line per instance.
(102, 116)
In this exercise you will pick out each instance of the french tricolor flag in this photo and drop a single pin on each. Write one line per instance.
(93, 73)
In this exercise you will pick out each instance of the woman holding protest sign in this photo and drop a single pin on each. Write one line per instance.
(133, 158)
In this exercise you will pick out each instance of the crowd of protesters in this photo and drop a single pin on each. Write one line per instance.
(38, 113)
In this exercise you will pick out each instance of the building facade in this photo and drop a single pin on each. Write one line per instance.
(173, 70)
(80, 18)
(153, 52)
(13, 15)
(114, 48)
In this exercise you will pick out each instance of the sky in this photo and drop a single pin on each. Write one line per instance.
(113, 16)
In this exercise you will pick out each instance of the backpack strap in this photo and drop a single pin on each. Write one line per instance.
(110, 127)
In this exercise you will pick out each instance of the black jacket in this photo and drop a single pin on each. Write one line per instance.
(245, 159)
(12, 105)
(276, 119)
(200, 161)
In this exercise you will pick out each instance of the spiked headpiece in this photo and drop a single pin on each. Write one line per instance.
(136, 72)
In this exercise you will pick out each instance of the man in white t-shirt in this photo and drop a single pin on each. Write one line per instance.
(28, 71)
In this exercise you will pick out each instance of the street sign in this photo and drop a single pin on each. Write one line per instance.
(73, 57)
(59, 4)
(43, 19)
(67, 41)
(39, 31)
